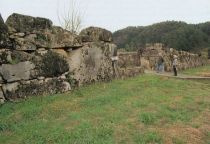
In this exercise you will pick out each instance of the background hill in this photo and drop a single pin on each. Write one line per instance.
(178, 35)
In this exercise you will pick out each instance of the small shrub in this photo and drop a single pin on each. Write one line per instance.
(53, 64)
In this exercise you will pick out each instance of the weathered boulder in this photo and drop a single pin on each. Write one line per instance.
(21, 56)
(91, 63)
(96, 34)
(128, 59)
(66, 86)
(30, 34)
(62, 52)
(1, 80)
(4, 38)
(35, 88)
(2, 98)
(5, 56)
(56, 37)
(10, 89)
(60, 38)
(3, 33)
(15, 72)
(27, 24)
(24, 45)
(14, 57)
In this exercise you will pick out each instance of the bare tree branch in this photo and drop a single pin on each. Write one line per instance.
(71, 18)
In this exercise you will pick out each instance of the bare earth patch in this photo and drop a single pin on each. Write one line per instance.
(188, 134)
(198, 133)
(204, 74)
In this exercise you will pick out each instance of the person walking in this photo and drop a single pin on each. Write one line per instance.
(160, 64)
(174, 64)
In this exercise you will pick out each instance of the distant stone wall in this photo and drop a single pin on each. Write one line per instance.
(185, 59)
(129, 64)
(128, 59)
(38, 58)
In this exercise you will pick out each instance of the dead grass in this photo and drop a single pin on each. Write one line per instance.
(188, 135)
(204, 74)
(122, 134)
(195, 133)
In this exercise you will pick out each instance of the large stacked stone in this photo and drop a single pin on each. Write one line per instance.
(96, 34)
(4, 37)
(37, 58)
(30, 34)
(92, 62)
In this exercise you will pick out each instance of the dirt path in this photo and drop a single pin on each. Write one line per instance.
(180, 76)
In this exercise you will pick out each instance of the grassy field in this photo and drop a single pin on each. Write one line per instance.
(200, 71)
(141, 110)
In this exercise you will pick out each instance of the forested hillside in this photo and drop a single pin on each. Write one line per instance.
(179, 35)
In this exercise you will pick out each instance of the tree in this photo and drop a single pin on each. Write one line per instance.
(178, 35)
(71, 16)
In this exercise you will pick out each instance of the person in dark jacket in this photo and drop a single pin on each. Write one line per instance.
(160, 64)
(174, 64)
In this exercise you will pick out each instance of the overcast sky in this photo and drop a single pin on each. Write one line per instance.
(114, 14)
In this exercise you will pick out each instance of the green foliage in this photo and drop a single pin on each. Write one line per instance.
(53, 64)
(178, 35)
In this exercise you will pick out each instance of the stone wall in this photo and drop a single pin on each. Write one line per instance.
(132, 63)
(185, 59)
(129, 64)
(38, 58)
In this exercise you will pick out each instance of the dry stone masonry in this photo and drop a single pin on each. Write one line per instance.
(38, 58)
(133, 63)
(129, 64)
(186, 60)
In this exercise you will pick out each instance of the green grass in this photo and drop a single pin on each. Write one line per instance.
(144, 109)
(200, 71)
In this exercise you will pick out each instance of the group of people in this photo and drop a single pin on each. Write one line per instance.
(160, 64)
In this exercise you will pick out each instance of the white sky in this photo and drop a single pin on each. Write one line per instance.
(114, 14)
